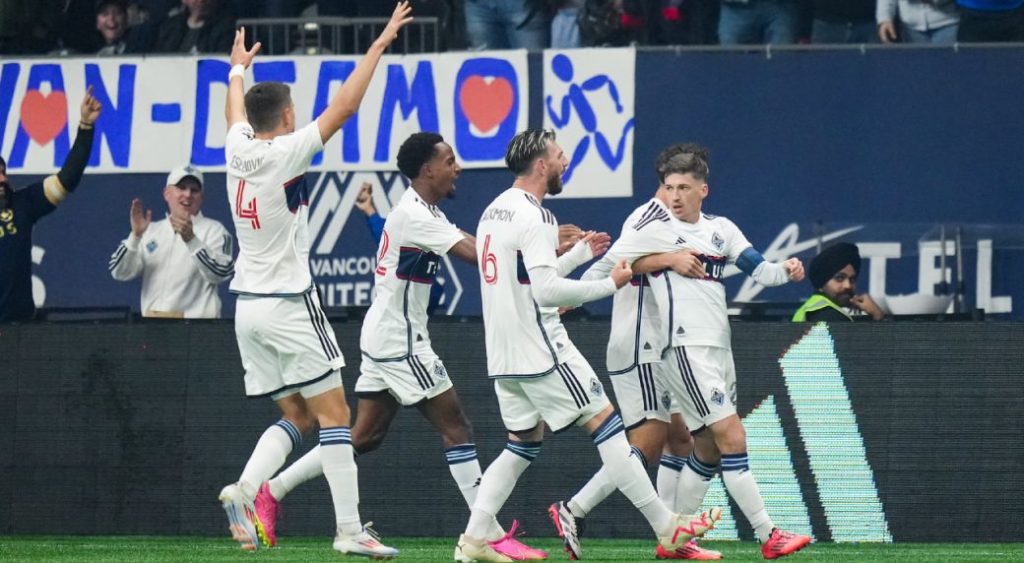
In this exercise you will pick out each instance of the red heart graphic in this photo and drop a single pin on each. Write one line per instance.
(43, 117)
(486, 105)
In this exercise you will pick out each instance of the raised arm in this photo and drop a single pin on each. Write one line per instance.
(346, 101)
(234, 110)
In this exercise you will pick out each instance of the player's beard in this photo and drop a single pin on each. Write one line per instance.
(555, 184)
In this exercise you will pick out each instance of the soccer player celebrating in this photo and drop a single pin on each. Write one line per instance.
(399, 365)
(288, 350)
(540, 377)
(635, 344)
(698, 366)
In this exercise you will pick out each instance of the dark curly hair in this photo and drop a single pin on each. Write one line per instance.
(416, 151)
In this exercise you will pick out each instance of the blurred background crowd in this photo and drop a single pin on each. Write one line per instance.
(131, 27)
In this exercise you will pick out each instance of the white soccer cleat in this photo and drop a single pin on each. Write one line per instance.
(687, 526)
(568, 528)
(364, 544)
(469, 550)
(242, 520)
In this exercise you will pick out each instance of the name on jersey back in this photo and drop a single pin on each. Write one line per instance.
(246, 165)
(498, 214)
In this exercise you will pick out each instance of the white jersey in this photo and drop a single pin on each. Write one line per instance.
(696, 308)
(638, 334)
(178, 278)
(415, 236)
(515, 236)
(266, 182)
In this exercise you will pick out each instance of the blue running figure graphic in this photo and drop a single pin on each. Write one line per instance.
(576, 99)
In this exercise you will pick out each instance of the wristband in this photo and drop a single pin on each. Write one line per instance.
(237, 70)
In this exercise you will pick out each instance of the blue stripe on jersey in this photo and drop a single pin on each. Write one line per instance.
(291, 429)
(416, 265)
(336, 435)
(610, 427)
(296, 192)
(460, 454)
(701, 468)
(735, 462)
(525, 450)
(521, 273)
(673, 462)
(749, 260)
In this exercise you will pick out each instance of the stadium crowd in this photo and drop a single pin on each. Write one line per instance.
(125, 27)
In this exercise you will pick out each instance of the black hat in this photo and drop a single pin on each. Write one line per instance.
(831, 260)
(102, 4)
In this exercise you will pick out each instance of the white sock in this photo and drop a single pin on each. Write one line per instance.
(694, 481)
(339, 468)
(598, 488)
(627, 472)
(268, 456)
(742, 487)
(306, 468)
(497, 483)
(668, 477)
(465, 469)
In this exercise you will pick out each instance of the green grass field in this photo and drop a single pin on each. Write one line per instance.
(91, 549)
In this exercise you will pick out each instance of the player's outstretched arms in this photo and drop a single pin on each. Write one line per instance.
(683, 262)
(346, 101)
(465, 249)
(769, 274)
(551, 290)
(234, 107)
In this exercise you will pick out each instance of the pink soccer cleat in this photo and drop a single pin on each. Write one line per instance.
(689, 550)
(268, 509)
(514, 549)
(782, 543)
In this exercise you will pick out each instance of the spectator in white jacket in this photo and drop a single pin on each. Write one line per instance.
(917, 21)
(182, 258)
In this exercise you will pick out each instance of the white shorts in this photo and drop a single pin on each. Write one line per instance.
(571, 394)
(285, 343)
(409, 381)
(642, 395)
(702, 379)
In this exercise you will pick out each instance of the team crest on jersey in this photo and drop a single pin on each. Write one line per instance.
(595, 387)
(6, 215)
(717, 397)
(718, 241)
(151, 246)
(666, 400)
(439, 371)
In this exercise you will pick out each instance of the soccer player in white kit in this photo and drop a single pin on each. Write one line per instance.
(400, 367)
(288, 349)
(698, 364)
(540, 377)
(635, 344)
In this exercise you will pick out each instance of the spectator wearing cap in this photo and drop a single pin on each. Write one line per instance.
(182, 258)
(112, 28)
(833, 274)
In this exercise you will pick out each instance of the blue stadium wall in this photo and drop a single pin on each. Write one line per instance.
(894, 141)
(857, 432)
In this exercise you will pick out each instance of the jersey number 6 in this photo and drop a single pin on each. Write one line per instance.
(489, 263)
